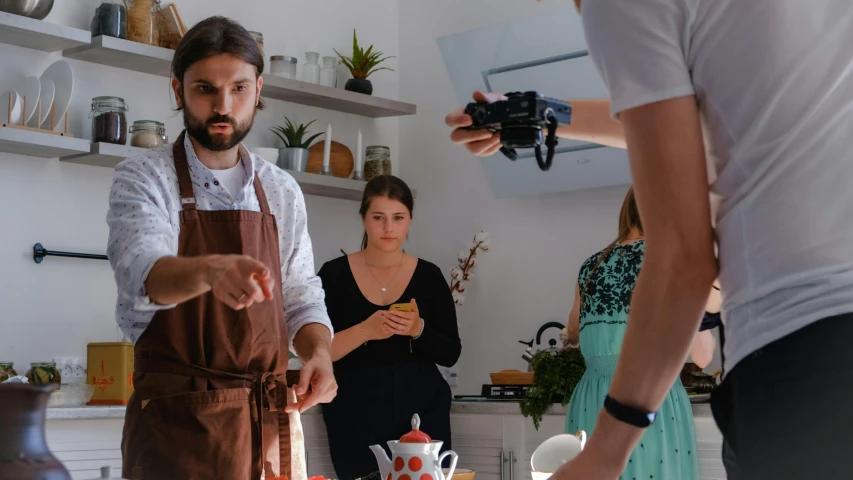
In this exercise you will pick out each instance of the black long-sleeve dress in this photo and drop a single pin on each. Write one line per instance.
(382, 384)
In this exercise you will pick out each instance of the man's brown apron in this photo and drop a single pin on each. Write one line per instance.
(209, 381)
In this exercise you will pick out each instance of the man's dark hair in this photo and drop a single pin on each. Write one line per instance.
(216, 36)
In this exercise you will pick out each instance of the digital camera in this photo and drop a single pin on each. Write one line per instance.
(520, 119)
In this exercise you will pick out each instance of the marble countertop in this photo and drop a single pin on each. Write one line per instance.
(458, 407)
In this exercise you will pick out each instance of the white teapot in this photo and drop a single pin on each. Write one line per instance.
(415, 457)
(554, 452)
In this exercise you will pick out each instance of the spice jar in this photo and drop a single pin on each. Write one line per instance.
(329, 74)
(7, 370)
(110, 19)
(282, 66)
(109, 123)
(377, 162)
(43, 373)
(311, 70)
(148, 134)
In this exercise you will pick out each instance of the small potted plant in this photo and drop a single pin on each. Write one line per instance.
(361, 64)
(294, 155)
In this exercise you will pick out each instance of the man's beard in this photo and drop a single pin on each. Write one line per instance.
(198, 129)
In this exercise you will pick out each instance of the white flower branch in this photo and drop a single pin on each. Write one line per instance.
(463, 272)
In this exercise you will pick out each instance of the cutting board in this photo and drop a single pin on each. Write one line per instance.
(340, 159)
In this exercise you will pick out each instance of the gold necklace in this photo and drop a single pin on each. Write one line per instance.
(370, 269)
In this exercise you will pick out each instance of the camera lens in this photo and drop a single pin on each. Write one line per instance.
(480, 114)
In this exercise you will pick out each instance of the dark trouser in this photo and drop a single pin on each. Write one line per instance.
(376, 404)
(786, 410)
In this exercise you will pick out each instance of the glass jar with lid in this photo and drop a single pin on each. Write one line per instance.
(258, 37)
(329, 72)
(109, 122)
(311, 70)
(377, 162)
(43, 373)
(283, 66)
(7, 370)
(110, 19)
(148, 134)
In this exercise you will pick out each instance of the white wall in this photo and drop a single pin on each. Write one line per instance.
(56, 308)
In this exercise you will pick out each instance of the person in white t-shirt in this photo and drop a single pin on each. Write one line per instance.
(761, 90)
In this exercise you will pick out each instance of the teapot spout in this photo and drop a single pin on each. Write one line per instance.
(382, 459)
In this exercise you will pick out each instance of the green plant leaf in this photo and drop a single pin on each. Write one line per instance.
(307, 143)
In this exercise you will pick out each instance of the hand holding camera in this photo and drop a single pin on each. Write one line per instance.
(513, 121)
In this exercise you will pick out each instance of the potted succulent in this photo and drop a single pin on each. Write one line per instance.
(294, 155)
(361, 64)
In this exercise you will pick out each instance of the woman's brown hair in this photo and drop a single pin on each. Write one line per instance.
(385, 186)
(629, 220)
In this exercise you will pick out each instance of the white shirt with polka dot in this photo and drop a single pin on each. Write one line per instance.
(144, 222)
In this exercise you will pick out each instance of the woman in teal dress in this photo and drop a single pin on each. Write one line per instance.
(599, 316)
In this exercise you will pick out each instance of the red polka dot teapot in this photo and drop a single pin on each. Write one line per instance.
(415, 457)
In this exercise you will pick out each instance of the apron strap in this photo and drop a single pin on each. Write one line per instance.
(182, 168)
(256, 181)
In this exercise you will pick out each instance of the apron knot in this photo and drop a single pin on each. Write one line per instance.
(267, 385)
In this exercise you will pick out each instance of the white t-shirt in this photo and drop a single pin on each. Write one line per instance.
(774, 82)
(233, 179)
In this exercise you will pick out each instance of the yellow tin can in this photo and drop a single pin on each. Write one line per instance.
(110, 371)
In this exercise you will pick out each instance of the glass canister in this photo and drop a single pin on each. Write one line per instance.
(141, 21)
(329, 72)
(109, 122)
(377, 161)
(148, 134)
(110, 19)
(258, 37)
(311, 70)
(43, 373)
(7, 370)
(283, 66)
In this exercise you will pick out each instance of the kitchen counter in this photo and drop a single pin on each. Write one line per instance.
(460, 407)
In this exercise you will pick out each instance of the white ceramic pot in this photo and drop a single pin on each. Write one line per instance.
(268, 154)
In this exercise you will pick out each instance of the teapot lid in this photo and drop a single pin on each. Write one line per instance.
(416, 435)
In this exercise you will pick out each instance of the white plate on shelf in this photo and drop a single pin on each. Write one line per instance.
(29, 91)
(63, 79)
(17, 107)
(48, 91)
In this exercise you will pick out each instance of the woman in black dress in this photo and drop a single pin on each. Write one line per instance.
(385, 361)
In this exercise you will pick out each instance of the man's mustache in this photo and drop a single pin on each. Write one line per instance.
(221, 119)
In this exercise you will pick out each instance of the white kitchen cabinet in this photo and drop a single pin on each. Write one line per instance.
(84, 446)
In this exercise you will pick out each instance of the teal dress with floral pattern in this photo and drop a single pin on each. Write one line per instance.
(667, 451)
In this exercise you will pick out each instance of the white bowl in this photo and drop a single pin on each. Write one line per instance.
(540, 475)
(268, 154)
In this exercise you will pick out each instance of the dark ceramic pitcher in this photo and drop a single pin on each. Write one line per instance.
(23, 449)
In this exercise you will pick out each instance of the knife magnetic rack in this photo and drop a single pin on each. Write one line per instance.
(23, 124)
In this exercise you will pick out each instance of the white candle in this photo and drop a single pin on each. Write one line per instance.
(359, 153)
(327, 146)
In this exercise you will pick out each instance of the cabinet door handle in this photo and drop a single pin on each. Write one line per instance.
(503, 460)
(511, 465)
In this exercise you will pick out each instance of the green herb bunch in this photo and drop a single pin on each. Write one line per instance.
(554, 379)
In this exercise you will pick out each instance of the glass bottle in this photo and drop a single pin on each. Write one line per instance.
(311, 70)
(110, 19)
(329, 72)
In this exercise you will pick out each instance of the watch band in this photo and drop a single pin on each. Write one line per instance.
(629, 415)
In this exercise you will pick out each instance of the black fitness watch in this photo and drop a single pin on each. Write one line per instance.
(629, 415)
